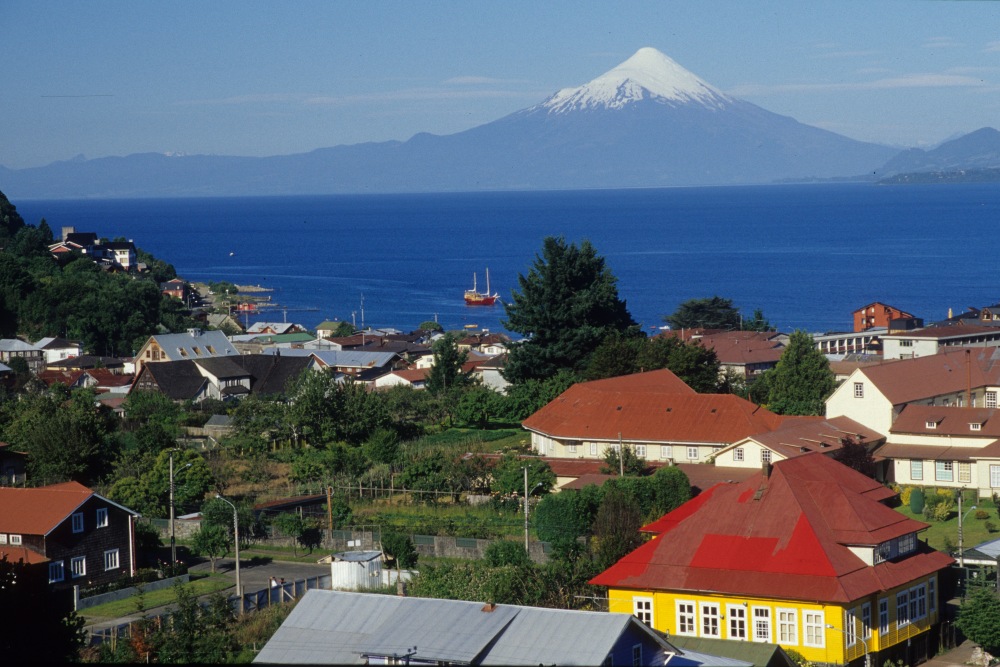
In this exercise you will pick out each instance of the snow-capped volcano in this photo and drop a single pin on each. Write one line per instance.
(649, 74)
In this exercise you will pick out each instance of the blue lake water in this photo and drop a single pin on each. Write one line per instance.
(808, 255)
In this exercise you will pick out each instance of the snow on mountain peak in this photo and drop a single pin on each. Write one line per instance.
(649, 74)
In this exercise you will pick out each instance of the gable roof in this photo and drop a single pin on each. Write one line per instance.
(744, 347)
(336, 627)
(786, 536)
(948, 420)
(36, 511)
(179, 346)
(655, 406)
(812, 434)
(908, 380)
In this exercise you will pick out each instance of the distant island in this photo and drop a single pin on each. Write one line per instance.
(991, 175)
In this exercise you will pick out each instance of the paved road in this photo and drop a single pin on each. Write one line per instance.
(255, 574)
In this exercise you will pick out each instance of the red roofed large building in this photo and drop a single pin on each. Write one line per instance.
(85, 538)
(655, 413)
(804, 554)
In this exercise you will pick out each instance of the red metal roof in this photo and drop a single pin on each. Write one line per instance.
(36, 511)
(649, 407)
(782, 536)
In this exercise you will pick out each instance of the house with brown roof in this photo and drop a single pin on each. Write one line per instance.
(933, 445)
(655, 413)
(746, 353)
(796, 437)
(804, 554)
(932, 340)
(85, 538)
(875, 395)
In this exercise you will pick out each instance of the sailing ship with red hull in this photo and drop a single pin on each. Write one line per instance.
(473, 297)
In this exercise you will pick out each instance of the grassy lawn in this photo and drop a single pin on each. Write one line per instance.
(202, 586)
(943, 535)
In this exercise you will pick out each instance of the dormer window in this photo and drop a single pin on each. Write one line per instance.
(975, 426)
(931, 424)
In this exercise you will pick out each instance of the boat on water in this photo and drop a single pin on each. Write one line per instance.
(473, 297)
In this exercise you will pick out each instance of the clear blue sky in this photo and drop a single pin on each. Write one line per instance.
(264, 78)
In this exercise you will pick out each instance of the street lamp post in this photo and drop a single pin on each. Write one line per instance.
(961, 518)
(526, 494)
(173, 539)
(863, 642)
(236, 543)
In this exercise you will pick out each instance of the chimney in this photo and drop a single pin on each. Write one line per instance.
(66, 231)
(489, 608)
(766, 469)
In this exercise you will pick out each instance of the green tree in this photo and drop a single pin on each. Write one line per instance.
(710, 313)
(508, 476)
(446, 373)
(400, 550)
(212, 541)
(758, 322)
(383, 446)
(430, 326)
(623, 355)
(565, 306)
(563, 517)
(979, 619)
(616, 527)
(628, 460)
(500, 553)
(524, 399)
(292, 525)
(854, 454)
(802, 379)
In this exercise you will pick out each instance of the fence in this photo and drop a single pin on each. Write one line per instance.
(248, 602)
(113, 596)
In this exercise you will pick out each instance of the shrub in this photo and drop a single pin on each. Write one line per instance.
(991, 527)
(942, 511)
(982, 515)
(904, 495)
(916, 501)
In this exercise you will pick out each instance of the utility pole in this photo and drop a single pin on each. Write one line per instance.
(525, 469)
(236, 547)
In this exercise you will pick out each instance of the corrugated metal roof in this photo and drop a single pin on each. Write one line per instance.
(336, 627)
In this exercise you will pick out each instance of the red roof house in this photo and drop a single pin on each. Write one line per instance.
(801, 547)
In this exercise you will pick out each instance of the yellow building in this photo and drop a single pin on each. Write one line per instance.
(804, 555)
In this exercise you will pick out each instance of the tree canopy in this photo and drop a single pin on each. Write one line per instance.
(565, 306)
(801, 381)
(623, 355)
(710, 313)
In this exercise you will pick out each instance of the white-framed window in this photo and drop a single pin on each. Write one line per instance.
(765, 455)
(78, 522)
(640, 451)
(813, 628)
(642, 608)
(57, 571)
(593, 449)
(571, 449)
(944, 471)
(930, 424)
(737, 615)
(3, 538)
(738, 454)
(15, 540)
(692, 453)
(883, 615)
(991, 399)
(916, 469)
(850, 628)
(788, 626)
(866, 620)
(859, 390)
(932, 594)
(78, 566)
(995, 476)
(918, 602)
(102, 517)
(666, 452)
(111, 559)
(710, 620)
(902, 609)
(762, 624)
(686, 624)
(975, 426)
(965, 472)
(907, 543)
